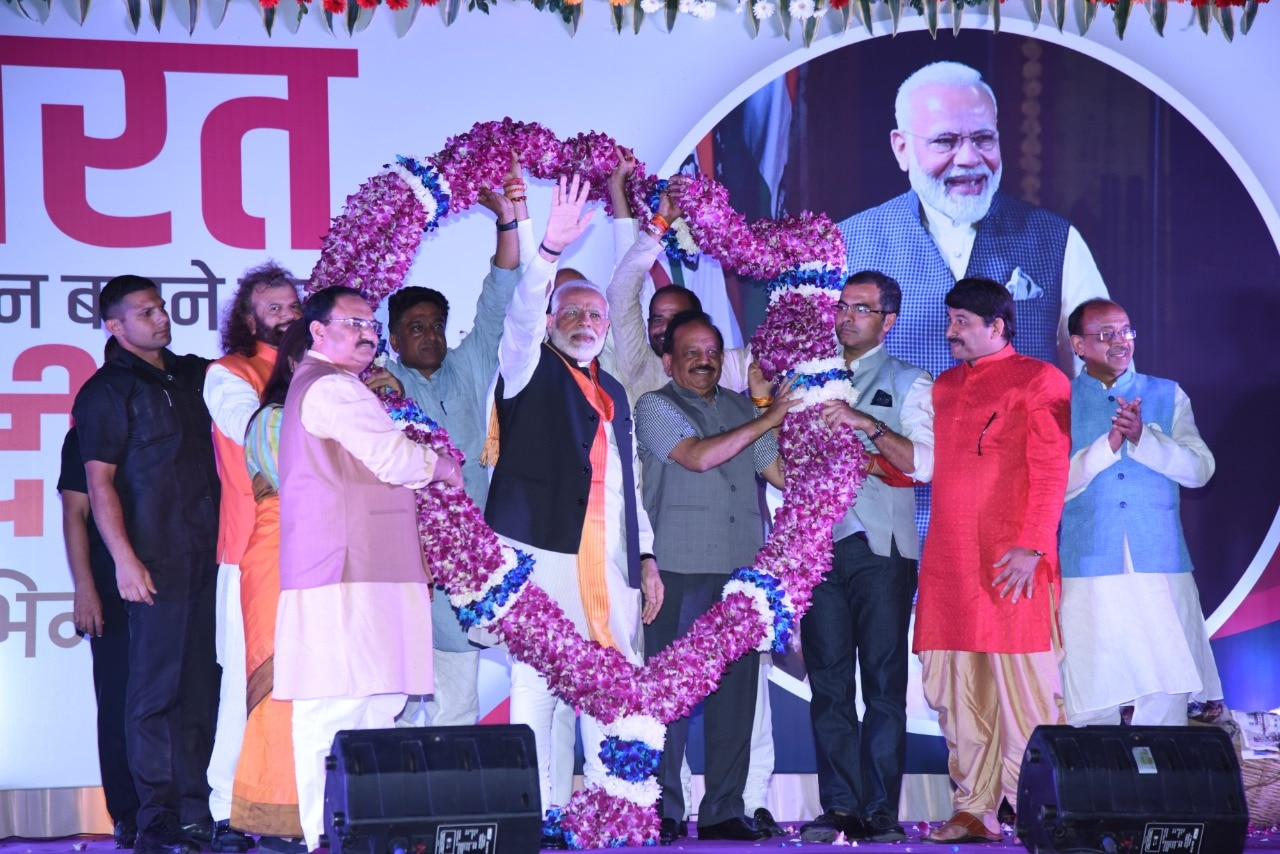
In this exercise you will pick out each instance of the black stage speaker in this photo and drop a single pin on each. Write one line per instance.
(447, 790)
(1140, 789)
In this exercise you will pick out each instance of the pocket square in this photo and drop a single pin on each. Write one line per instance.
(1023, 286)
(882, 398)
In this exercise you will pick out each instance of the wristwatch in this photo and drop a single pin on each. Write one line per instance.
(881, 427)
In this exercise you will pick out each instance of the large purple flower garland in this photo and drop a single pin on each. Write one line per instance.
(371, 245)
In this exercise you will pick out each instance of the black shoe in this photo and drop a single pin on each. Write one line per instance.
(669, 831)
(125, 832)
(1006, 815)
(227, 840)
(200, 832)
(682, 827)
(164, 835)
(733, 830)
(826, 827)
(763, 820)
(553, 843)
(882, 827)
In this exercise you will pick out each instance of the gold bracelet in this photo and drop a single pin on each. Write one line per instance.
(762, 402)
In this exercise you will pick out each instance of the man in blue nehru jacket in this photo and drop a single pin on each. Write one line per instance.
(1133, 444)
(954, 223)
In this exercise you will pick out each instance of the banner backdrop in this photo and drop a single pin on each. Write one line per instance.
(191, 158)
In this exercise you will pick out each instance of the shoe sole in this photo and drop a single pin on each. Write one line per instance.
(823, 836)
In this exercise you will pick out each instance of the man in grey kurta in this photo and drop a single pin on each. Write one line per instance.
(449, 385)
(701, 446)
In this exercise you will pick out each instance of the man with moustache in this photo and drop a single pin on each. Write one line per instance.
(564, 486)
(701, 446)
(353, 628)
(862, 608)
(638, 346)
(264, 305)
(145, 437)
(985, 628)
(450, 385)
(1134, 442)
(954, 222)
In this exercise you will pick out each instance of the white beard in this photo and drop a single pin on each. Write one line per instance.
(962, 210)
(583, 352)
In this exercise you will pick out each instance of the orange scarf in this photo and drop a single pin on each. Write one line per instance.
(591, 551)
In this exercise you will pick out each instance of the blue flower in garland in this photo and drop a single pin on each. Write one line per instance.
(827, 278)
(633, 761)
(430, 178)
(670, 243)
(483, 610)
(818, 380)
(784, 618)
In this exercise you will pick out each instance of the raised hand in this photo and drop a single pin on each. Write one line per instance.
(566, 222)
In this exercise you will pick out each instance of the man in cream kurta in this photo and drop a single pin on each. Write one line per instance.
(564, 486)
(353, 633)
(1134, 444)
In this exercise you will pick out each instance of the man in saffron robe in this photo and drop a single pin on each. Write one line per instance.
(265, 303)
(989, 576)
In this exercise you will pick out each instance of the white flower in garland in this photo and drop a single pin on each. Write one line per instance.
(652, 7)
(420, 190)
(763, 9)
(703, 10)
(803, 9)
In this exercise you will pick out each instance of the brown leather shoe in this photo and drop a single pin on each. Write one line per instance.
(962, 827)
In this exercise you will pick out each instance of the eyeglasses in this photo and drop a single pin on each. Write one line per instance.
(945, 143)
(358, 323)
(1112, 335)
(859, 308)
(573, 312)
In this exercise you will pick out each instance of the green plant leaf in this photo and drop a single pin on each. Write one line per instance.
(135, 13)
(784, 12)
(451, 10)
(895, 13)
(1204, 16)
(995, 15)
(1086, 20)
(863, 10)
(749, 13)
(1246, 17)
(1037, 11)
(1226, 21)
(268, 17)
(931, 16)
(82, 10)
(957, 16)
(575, 18)
(810, 28)
(1121, 9)
(1159, 15)
(672, 12)
(619, 17)
(637, 16)
(1058, 11)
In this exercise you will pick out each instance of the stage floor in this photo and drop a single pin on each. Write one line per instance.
(1258, 840)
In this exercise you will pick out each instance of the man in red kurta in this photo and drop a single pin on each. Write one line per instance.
(985, 616)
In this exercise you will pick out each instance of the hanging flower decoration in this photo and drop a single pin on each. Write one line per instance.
(371, 246)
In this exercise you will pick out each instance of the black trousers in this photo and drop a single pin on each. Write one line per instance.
(728, 711)
(110, 682)
(860, 613)
(172, 703)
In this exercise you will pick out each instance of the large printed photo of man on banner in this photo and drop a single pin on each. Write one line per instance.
(1090, 183)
